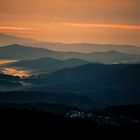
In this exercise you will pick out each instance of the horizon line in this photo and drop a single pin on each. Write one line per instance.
(64, 42)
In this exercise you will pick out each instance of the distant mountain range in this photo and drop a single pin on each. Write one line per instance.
(6, 39)
(77, 47)
(16, 51)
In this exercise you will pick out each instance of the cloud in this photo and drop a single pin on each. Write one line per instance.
(15, 28)
(115, 26)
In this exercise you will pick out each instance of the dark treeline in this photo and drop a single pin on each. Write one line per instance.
(34, 117)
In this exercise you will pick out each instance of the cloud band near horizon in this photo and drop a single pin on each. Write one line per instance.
(81, 25)
(115, 26)
(15, 28)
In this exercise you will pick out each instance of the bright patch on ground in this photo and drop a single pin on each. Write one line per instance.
(2, 62)
(15, 72)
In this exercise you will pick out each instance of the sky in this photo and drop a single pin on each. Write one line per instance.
(89, 21)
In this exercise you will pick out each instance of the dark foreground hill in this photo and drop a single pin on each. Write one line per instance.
(57, 117)
(107, 84)
(8, 81)
(67, 98)
(51, 125)
(91, 85)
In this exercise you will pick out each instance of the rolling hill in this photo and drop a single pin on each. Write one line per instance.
(6, 39)
(109, 84)
(9, 81)
(46, 64)
(70, 99)
(16, 51)
(97, 84)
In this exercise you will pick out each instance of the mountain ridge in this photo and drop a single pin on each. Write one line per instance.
(6, 39)
(108, 84)
(21, 52)
(46, 64)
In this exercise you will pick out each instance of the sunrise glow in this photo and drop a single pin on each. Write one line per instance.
(92, 21)
(14, 28)
(6, 61)
(15, 72)
(115, 26)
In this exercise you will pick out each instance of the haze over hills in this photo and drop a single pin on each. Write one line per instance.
(71, 47)
(88, 47)
(6, 39)
(46, 64)
(16, 51)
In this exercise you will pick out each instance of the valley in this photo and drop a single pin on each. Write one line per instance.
(88, 84)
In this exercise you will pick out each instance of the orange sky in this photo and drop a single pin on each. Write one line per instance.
(97, 21)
